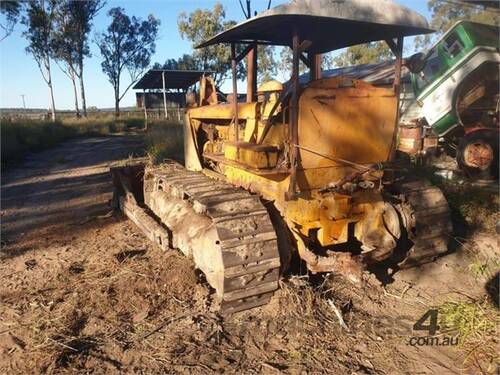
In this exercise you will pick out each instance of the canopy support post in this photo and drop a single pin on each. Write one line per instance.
(235, 94)
(294, 117)
(397, 48)
(164, 94)
(252, 74)
(314, 66)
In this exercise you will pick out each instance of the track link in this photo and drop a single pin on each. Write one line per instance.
(430, 222)
(241, 259)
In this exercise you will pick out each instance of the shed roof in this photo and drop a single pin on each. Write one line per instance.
(174, 79)
(328, 24)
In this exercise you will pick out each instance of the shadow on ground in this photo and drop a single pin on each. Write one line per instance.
(69, 184)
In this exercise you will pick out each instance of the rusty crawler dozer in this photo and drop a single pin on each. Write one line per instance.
(307, 165)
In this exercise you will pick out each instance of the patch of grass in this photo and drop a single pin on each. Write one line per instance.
(484, 268)
(21, 136)
(164, 140)
(476, 324)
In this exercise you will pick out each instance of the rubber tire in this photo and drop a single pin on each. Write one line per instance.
(489, 136)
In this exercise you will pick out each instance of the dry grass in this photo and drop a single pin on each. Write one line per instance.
(19, 137)
(164, 140)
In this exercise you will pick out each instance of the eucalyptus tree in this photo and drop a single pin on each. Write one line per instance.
(82, 14)
(62, 46)
(73, 23)
(127, 44)
(200, 25)
(39, 21)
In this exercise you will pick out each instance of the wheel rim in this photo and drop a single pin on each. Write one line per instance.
(478, 155)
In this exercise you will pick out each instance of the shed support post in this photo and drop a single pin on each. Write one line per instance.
(294, 118)
(144, 103)
(164, 94)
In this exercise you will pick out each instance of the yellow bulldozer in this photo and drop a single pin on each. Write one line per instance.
(305, 168)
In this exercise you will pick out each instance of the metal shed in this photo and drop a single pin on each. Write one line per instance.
(168, 82)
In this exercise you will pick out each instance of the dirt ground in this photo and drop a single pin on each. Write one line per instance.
(84, 292)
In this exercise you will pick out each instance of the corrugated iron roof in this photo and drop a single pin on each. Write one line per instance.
(328, 24)
(174, 79)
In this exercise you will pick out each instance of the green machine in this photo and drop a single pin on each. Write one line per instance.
(456, 88)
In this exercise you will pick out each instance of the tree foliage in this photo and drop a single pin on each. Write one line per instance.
(39, 21)
(267, 66)
(71, 36)
(62, 45)
(285, 63)
(11, 9)
(368, 53)
(127, 44)
(186, 62)
(202, 24)
(446, 13)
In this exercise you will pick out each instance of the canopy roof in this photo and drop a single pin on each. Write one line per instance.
(328, 24)
(174, 79)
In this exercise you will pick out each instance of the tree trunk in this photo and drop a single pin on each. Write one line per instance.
(51, 91)
(73, 81)
(82, 91)
(117, 107)
(117, 104)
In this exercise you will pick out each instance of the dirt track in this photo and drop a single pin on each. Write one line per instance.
(83, 291)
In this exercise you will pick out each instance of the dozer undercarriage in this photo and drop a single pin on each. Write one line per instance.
(239, 241)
